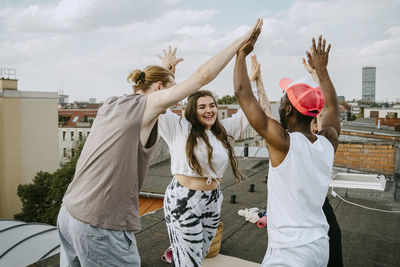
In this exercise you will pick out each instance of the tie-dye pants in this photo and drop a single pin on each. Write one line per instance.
(192, 219)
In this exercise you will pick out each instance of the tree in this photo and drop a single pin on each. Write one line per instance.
(227, 100)
(33, 197)
(41, 199)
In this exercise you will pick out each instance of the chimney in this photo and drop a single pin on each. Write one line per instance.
(8, 79)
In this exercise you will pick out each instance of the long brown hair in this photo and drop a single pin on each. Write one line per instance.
(197, 131)
(151, 74)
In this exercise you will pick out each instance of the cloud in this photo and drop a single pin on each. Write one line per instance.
(387, 47)
(361, 32)
(196, 30)
(82, 15)
(88, 47)
(57, 54)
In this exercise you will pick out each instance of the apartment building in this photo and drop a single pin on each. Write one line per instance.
(28, 139)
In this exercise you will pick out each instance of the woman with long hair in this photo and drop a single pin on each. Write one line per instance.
(201, 149)
(100, 207)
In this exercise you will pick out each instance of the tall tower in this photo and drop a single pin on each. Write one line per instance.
(368, 83)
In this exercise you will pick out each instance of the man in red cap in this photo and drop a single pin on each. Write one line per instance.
(300, 161)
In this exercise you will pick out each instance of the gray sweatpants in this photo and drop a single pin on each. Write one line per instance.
(86, 245)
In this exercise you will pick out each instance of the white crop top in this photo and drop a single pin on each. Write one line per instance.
(175, 130)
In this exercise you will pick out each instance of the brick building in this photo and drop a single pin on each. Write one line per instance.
(370, 156)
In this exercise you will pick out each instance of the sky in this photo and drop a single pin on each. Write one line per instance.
(86, 48)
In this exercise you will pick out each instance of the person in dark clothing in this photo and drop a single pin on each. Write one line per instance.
(334, 233)
(335, 236)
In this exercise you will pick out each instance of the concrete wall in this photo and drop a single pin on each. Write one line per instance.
(382, 112)
(376, 157)
(28, 142)
(10, 156)
(9, 84)
(376, 135)
(39, 123)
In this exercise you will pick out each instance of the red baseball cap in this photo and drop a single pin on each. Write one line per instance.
(308, 99)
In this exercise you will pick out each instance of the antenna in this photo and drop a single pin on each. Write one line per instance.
(10, 74)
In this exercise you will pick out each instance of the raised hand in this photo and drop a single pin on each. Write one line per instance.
(318, 55)
(312, 71)
(169, 59)
(248, 44)
(255, 69)
(318, 61)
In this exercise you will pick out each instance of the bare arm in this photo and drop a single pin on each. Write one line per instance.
(314, 76)
(330, 121)
(255, 75)
(159, 101)
(276, 137)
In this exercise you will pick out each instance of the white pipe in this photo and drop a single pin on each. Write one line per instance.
(155, 195)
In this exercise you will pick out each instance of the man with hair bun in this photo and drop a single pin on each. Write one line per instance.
(100, 207)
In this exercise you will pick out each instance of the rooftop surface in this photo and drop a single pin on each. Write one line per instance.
(369, 125)
(33, 241)
(369, 238)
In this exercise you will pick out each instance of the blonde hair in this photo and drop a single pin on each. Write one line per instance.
(144, 79)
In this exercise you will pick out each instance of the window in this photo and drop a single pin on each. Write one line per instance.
(75, 119)
(391, 115)
(64, 133)
(62, 120)
(72, 136)
(374, 114)
(87, 134)
(72, 152)
(80, 136)
(64, 152)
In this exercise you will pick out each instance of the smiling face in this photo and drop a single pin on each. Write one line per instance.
(206, 111)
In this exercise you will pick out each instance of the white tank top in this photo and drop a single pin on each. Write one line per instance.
(296, 192)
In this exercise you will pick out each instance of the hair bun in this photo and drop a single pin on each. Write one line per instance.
(141, 77)
(134, 76)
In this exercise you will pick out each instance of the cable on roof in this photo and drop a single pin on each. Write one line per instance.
(21, 224)
(334, 194)
(12, 227)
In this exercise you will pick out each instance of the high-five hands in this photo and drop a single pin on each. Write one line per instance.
(248, 45)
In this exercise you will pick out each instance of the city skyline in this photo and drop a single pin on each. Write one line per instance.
(87, 48)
